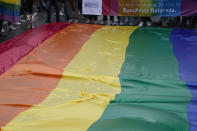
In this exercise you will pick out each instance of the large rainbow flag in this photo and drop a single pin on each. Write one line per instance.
(77, 77)
(10, 10)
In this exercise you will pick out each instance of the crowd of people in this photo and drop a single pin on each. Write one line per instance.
(72, 12)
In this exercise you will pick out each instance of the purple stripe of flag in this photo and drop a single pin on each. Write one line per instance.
(9, 18)
(185, 48)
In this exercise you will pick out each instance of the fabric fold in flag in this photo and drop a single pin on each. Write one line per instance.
(87, 85)
(152, 96)
(14, 49)
(92, 77)
(31, 79)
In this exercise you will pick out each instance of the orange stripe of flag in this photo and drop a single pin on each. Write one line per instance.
(31, 80)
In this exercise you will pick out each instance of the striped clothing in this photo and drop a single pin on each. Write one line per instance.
(10, 10)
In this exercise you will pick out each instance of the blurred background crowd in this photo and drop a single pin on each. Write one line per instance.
(37, 12)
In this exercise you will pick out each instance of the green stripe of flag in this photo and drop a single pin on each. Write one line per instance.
(10, 6)
(152, 98)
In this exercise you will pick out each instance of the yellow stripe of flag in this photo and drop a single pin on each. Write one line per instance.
(16, 2)
(90, 81)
